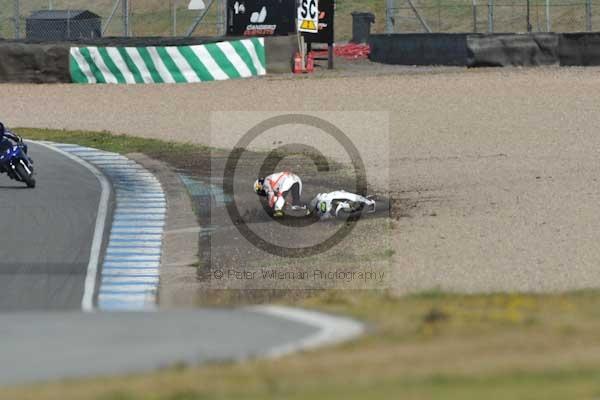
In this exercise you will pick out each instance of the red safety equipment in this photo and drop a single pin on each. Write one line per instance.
(310, 63)
(350, 51)
(298, 63)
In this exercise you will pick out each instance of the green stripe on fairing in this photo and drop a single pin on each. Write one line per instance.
(260, 51)
(150, 65)
(137, 75)
(197, 65)
(77, 74)
(222, 61)
(112, 67)
(244, 55)
(171, 66)
(85, 52)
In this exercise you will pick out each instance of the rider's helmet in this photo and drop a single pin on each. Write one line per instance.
(259, 187)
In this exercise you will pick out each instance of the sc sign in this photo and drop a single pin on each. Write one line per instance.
(308, 16)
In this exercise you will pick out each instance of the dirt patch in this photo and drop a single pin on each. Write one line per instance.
(202, 241)
(232, 269)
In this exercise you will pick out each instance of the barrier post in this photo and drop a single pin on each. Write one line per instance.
(491, 16)
(174, 21)
(475, 16)
(126, 18)
(474, 5)
(199, 19)
(588, 15)
(69, 24)
(529, 16)
(221, 17)
(389, 16)
(419, 17)
(548, 18)
(17, 16)
(110, 17)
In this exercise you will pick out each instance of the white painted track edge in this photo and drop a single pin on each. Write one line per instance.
(331, 329)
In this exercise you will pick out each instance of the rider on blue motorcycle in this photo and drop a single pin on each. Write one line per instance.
(6, 137)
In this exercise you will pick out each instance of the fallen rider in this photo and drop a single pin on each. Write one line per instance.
(277, 188)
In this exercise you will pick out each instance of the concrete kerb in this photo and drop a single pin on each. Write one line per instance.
(178, 277)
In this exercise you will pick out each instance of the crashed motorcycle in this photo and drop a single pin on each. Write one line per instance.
(15, 162)
(338, 203)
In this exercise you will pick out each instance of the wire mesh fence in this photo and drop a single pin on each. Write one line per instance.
(117, 17)
(492, 15)
(173, 18)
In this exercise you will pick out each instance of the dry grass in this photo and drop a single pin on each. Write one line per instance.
(421, 347)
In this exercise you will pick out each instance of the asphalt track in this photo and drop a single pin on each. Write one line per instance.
(46, 346)
(47, 231)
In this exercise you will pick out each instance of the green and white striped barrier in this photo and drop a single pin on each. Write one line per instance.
(170, 64)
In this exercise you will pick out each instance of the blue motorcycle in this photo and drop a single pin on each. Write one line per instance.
(17, 164)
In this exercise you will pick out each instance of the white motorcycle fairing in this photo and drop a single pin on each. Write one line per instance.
(330, 205)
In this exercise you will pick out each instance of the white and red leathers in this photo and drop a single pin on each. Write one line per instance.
(277, 186)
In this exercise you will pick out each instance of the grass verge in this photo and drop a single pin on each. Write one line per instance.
(178, 155)
(428, 346)
(110, 142)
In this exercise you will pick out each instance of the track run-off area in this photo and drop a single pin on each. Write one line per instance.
(497, 167)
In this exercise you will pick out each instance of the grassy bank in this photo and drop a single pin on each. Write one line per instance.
(430, 346)
(110, 142)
